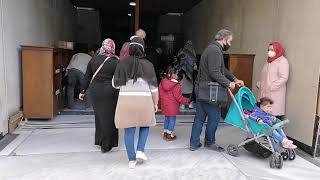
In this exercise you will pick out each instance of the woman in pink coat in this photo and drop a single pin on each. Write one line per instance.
(274, 77)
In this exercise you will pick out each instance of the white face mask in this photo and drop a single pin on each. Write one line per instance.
(271, 54)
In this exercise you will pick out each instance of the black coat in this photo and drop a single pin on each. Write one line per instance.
(212, 67)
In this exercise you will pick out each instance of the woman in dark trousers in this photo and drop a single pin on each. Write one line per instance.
(104, 96)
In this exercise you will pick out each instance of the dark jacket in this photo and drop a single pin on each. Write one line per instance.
(212, 67)
(171, 97)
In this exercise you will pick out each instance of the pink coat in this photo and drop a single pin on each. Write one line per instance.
(272, 84)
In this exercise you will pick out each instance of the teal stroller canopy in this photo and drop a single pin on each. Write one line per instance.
(246, 101)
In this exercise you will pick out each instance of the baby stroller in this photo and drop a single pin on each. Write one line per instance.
(259, 136)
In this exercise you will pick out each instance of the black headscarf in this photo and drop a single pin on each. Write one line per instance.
(135, 66)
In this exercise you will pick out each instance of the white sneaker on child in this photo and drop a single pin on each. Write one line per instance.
(286, 143)
(132, 164)
(141, 156)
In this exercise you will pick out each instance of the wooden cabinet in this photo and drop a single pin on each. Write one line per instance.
(241, 65)
(44, 90)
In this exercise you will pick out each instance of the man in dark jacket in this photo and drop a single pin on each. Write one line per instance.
(212, 69)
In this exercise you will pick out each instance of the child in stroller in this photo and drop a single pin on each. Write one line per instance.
(259, 138)
(262, 115)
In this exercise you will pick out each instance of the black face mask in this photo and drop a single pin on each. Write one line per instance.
(226, 47)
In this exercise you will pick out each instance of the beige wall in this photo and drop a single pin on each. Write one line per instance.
(32, 22)
(3, 97)
(255, 24)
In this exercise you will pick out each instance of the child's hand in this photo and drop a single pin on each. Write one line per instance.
(260, 122)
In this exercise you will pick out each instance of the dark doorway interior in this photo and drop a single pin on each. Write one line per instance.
(119, 27)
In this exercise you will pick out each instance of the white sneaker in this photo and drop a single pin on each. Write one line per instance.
(132, 164)
(141, 156)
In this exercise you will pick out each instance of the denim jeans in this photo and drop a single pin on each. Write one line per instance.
(129, 141)
(75, 77)
(213, 113)
(279, 135)
(170, 123)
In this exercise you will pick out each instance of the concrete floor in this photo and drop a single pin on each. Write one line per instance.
(69, 153)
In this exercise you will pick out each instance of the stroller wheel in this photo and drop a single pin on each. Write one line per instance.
(292, 154)
(279, 161)
(272, 161)
(276, 161)
(285, 155)
(233, 150)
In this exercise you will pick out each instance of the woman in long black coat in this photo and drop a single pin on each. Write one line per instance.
(104, 96)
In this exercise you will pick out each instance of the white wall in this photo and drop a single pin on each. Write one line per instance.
(256, 24)
(88, 30)
(3, 100)
(32, 22)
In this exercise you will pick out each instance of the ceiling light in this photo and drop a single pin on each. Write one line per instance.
(85, 8)
(132, 4)
(174, 14)
(129, 14)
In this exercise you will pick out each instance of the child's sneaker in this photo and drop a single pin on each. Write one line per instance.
(141, 156)
(132, 164)
(171, 137)
(286, 143)
(165, 135)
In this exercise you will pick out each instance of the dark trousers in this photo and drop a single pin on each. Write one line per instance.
(76, 77)
(213, 113)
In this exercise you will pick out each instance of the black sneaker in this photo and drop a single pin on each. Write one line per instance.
(194, 149)
(214, 147)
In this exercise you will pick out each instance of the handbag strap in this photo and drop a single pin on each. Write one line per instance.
(97, 71)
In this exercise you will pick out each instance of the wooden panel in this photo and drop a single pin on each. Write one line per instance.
(37, 83)
(242, 67)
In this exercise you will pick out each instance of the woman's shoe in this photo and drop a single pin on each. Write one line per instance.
(141, 156)
(105, 150)
(132, 164)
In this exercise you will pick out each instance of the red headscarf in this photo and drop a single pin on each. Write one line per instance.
(278, 49)
(108, 48)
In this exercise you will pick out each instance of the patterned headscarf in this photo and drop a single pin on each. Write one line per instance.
(108, 48)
